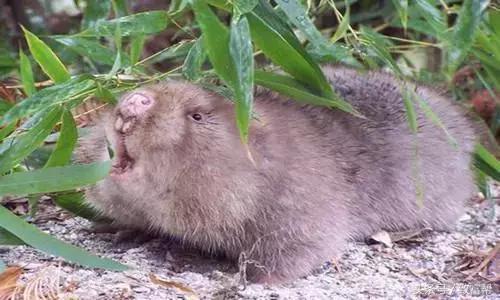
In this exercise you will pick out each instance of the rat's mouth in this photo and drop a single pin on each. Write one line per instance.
(122, 163)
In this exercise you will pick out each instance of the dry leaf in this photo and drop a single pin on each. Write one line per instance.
(191, 295)
(8, 281)
(382, 237)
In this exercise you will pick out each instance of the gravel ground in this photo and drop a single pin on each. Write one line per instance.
(433, 265)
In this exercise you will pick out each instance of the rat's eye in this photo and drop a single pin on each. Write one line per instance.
(196, 117)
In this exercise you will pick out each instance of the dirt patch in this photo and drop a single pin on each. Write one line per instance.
(427, 265)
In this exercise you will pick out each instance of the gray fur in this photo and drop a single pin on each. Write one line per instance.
(319, 178)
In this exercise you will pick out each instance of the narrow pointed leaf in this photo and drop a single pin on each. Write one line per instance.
(464, 33)
(46, 243)
(7, 238)
(378, 44)
(275, 38)
(95, 11)
(54, 179)
(49, 96)
(142, 23)
(241, 51)
(46, 58)
(66, 143)
(297, 91)
(14, 149)
(402, 9)
(75, 203)
(486, 162)
(91, 48)
(26, 74)
(136, 46)
(216, 41)
(194, 60)
(411, 115)
(434, 17)
(343, 26)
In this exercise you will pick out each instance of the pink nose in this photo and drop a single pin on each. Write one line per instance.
(131, 109)
(135, 105)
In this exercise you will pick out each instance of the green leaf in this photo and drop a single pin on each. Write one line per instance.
(191, 69)
(431, 115)
(402, 8)
(26, 74)
(46, 58)
(120, 7)
(14, 149)
(90, 48)
(486, 162)
(464, 33)
(297, 91)
(241, 51)
(75, 203)
(7, 129)
(46, 243)
(49, 96)
(8, 239)
(242, 7)
(433, 16)
(343, 26)
(216, 41)
(54, 179)
(411, 116)
(95, 11)
(66, 143)
(142, 23)
(3, 267)
(105, 95)
(378, 43)
(4, 106)
(297, 14)
(279, 43)
(136, 46)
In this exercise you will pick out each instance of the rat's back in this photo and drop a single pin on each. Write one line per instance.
(402, 179)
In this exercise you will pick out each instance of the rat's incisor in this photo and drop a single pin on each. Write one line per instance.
(319, 177)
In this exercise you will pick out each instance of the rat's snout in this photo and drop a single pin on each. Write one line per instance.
(131, 109)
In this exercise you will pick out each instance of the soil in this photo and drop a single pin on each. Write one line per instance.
(426, 265)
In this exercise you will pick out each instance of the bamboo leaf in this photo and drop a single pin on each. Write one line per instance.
(7, 238)
(486, 162)
(26, 74)
(402, 8)
(241, 51)
(46, 243)
(343, 26)
(411, 115)
(216, 41)
(49, 96)
(142, 23)
(75, 203)
(54, 179)
(16, 148)
(297, 91)
(95, 11)
(275, 38)
(136, 46)
(377, 43)
(464, 33)
(195, 58)
(46, 58)
(90, 48)
(434, 17)
(66, 143)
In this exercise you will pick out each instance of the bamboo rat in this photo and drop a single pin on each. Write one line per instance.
(320, 176)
